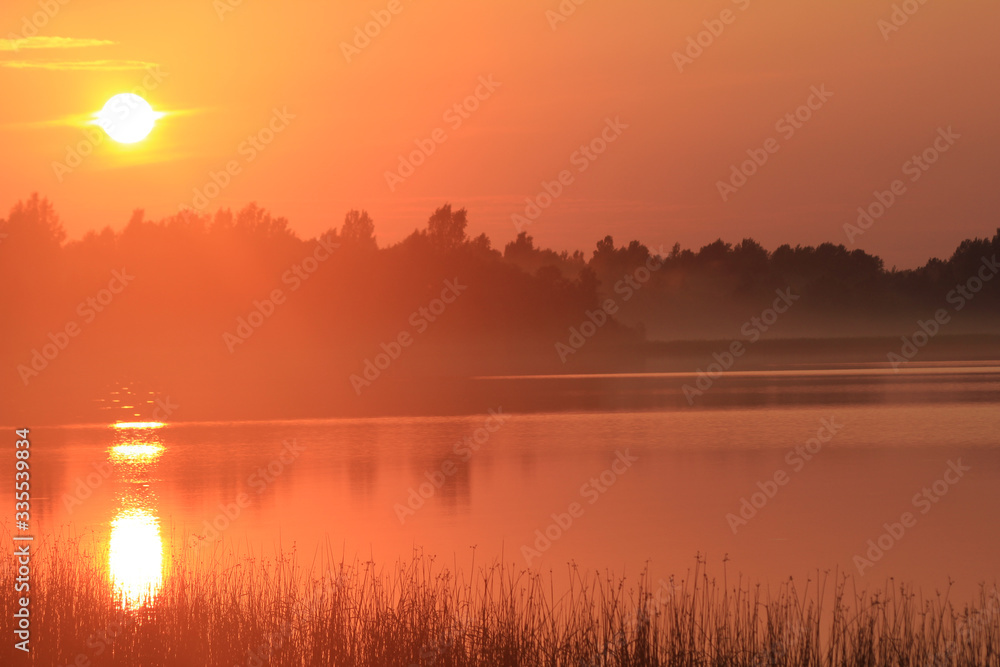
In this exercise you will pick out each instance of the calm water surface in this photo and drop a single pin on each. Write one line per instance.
(649, 480)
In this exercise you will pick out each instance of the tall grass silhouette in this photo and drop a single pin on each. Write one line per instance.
(224, 608)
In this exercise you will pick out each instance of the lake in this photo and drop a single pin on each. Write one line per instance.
(878, 474)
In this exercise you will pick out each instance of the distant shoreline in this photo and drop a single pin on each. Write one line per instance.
(640, 377)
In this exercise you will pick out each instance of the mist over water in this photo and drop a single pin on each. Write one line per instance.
(786, 481)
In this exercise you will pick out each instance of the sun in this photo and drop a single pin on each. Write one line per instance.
(127, 118)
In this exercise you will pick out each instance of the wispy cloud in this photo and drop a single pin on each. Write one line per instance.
(51, 43)
(100, 65)
(39, 42)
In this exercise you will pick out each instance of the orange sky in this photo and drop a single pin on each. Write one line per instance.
(224, 73)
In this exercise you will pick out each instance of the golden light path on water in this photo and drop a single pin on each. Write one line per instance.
(136, 556)
(135, 549)
(137, 425)
(135, 452)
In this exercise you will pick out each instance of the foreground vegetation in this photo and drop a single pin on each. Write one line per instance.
(244, 610)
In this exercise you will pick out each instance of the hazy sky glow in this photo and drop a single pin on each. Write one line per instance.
(329, 122)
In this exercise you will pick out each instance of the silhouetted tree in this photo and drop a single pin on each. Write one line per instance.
(446, 228)
(34, 224)
(198, 275)
(358, 231)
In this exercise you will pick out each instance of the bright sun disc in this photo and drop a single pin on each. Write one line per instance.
(127, 118)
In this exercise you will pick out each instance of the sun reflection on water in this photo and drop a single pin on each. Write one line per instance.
(135, 550)
(136, 452)
(137, 425)
(136, 556)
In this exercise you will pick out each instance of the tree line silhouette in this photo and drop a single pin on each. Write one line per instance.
(196, 277)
